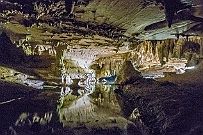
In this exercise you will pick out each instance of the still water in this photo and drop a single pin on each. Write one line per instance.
(78, 106)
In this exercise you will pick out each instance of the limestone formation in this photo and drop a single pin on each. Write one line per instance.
(128, 73)
(59, 60)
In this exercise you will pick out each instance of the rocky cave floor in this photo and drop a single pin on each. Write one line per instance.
(171, 105)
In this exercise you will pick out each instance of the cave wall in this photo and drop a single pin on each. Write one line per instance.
(153, 54)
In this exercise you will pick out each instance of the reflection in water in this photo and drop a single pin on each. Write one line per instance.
(94, 109)
(30, 119)
(108, 79)
(11, 75)
(66, 79)
(84, 103)
(98, 109)
(79, 110)
(78, 86)
(78, 102)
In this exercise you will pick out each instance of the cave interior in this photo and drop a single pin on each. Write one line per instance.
(101, 67)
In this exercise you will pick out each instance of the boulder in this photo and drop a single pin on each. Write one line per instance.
(128, 73)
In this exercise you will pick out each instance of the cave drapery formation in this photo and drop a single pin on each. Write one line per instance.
(101, 67)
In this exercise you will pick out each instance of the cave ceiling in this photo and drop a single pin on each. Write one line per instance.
(102, 22)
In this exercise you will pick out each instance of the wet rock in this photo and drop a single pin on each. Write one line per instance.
(128, 73)
(167, 84)
(192, 60)
(133, 130)
(110, 131)
(164, 108)
(9, 53)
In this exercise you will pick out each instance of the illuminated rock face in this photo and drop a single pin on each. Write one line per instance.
(128, 73)
(154, 58)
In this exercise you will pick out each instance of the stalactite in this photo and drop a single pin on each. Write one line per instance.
(199, 41)
(153, 43)
(149, 53)
(167, 52)
(166, 48)
(196, 40)
(147, 46)
(178, 49)
(157, 54)
(171, 47)
(160, 53)
(181, 50)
